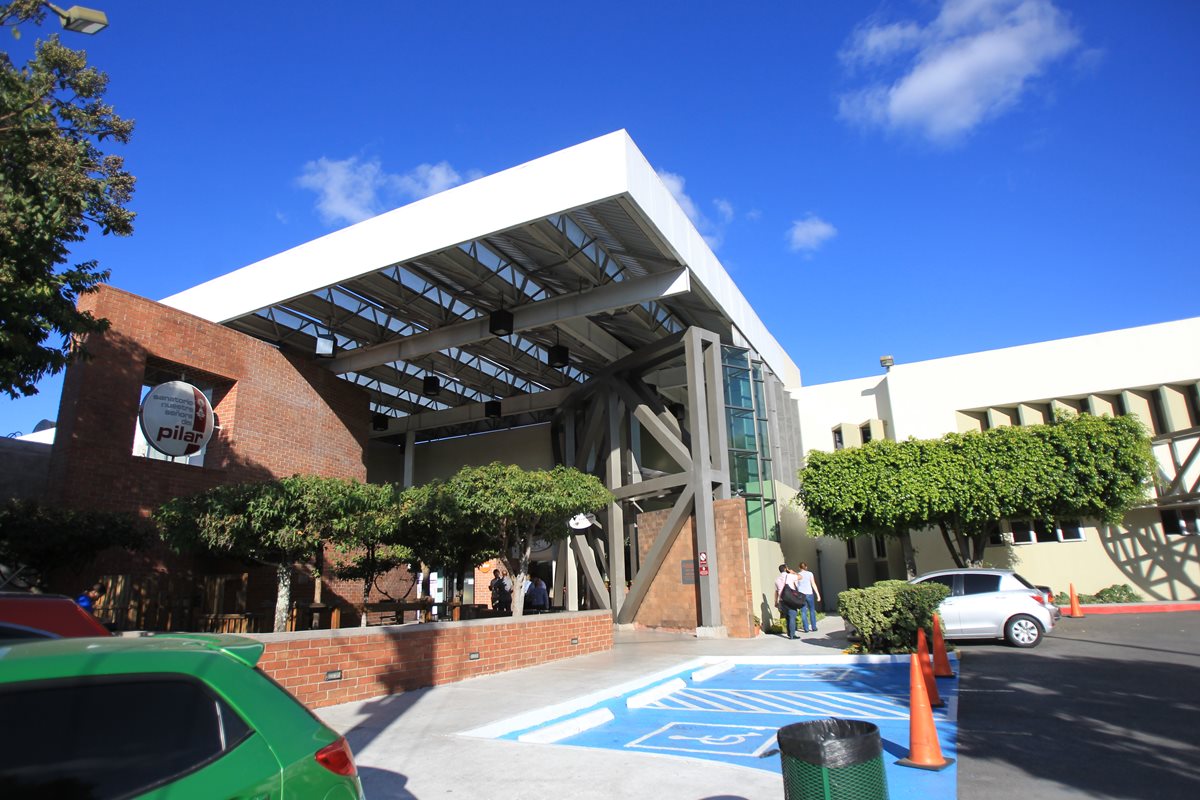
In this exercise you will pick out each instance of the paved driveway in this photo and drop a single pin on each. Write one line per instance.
(1106, 707)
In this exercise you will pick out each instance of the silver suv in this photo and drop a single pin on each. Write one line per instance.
(992, 604)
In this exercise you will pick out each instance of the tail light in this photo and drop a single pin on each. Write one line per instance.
(338, 758)
(1041, 598)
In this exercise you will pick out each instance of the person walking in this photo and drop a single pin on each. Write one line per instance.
(806, 584)
(786, 578)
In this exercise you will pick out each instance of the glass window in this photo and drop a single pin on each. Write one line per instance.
(1026, 532)
(111, 737)
(741, 430)
(994, 535)
(737, 388)
(978, 584)
(945, 580)
(851, 550)
(1070, 530)
(865, 431)
(838, 442)
(1044, 532)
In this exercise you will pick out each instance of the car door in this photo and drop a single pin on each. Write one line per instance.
(948, 610)
(981, 606)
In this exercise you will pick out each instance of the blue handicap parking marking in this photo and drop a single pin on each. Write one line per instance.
(707, 738)
(733, 717)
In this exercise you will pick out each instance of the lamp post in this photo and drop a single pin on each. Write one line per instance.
(79, 19)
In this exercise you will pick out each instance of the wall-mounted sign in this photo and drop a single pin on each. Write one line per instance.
(176, 419)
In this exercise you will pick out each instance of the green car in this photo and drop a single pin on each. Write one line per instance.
(169, 716)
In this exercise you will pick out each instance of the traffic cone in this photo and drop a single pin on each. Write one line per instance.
(1076, 611)
(941, 662)
(924, 752)
(931, 691)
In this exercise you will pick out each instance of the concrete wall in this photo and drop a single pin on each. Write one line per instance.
(1022, 385)
(388, 660)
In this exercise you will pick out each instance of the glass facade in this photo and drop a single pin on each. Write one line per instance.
(750, 471)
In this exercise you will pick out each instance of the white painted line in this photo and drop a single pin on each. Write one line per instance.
(569, 727)
(539, 716)
(701, 675)
(643, 699)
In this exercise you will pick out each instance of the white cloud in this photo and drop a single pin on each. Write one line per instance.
(351, 190)
(970, 64)
(810, 233)
(713, 232)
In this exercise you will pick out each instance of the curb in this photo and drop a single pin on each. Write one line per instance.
(1137, 608)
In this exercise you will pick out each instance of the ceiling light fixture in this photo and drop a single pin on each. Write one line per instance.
(431, 387)
(500, 323)
(559, 356)
(491, 409)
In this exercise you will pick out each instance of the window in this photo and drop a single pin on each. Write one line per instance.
(838, 442)
(163, 372)
(978, 584)
(851, 549)
(865, 430)
(944, 580)
(112, 736)
(880, 547)
(1179, 521)
(1027, 532)
(994, 535)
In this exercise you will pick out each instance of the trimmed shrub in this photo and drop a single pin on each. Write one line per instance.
(1117, 593)
(888, 614)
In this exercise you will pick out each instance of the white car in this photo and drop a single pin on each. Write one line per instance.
(992, 604)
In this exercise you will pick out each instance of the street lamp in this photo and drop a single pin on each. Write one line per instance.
(80, 19)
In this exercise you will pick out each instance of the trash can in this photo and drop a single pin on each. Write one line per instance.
(832, 759)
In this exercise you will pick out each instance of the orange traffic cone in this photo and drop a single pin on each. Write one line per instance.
(924, 752)
(941, 662)
(1076, 611)
(931, 691)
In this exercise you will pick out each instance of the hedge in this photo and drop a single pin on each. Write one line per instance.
(888, 614)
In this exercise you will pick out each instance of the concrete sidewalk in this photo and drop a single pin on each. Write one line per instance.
(407, 745)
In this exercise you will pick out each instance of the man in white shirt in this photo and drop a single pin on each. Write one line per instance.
(806, 584)
(786, 577)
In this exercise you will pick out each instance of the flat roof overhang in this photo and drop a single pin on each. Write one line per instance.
(585, 247)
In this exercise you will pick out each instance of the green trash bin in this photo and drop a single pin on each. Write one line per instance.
(832, 759)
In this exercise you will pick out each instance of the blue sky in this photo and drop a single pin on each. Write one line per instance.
(914, 178)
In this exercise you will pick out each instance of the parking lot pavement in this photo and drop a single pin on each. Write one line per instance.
(1106, 707)
(409, 745)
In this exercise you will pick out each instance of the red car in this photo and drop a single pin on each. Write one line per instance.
(45, 616)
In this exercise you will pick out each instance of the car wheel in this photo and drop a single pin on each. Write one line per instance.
(1023, 631)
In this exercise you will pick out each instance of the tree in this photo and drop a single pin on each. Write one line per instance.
(511, 508)
(367, 538)
(55, 185)
(439, 533)
(37, 540)
(278, 523)
(1076, 467)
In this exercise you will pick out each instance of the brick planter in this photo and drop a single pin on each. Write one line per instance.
(373, 662)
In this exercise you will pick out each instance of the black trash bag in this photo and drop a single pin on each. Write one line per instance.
(831, 742)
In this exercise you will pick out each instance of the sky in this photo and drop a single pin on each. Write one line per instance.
(920, 179)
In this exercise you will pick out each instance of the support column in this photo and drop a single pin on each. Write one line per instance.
(410, 446)
(616, 515)
(699, 411)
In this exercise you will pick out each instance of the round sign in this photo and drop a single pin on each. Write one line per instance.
(703, 557)
(176, 419)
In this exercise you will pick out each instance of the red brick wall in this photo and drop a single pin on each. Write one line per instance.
(670, 603)
(280, 413)
(388, 660)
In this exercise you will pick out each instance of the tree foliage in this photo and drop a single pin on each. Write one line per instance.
(367, 538)
(439, 533)
(1081, 466)
(36, 540)
(277, 523)
(510, 508)
(55, 185)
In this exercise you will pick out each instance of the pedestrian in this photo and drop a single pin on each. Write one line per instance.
(806, 584)
(786, 578)
(87, 601)
(501, 588)
(537, 597)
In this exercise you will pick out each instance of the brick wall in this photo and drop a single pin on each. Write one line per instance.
(671, 603)
(388, 660)
(280, 413)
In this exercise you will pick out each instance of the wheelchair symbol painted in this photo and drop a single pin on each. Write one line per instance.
(728, 739)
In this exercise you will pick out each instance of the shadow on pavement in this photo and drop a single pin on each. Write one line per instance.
(1109, 724)
(381, 783)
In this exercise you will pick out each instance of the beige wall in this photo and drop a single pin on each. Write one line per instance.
(528, 447)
